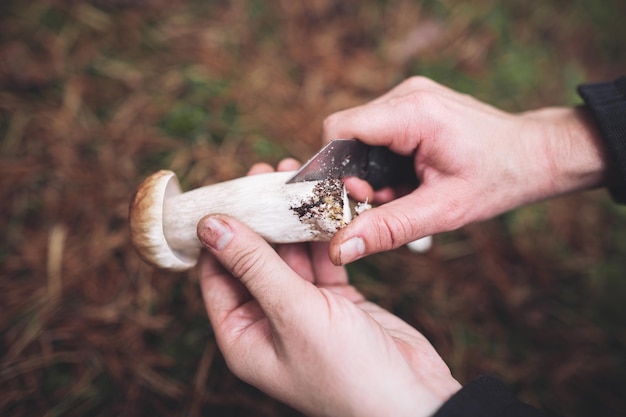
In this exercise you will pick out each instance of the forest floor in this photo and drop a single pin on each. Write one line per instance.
(97, 95)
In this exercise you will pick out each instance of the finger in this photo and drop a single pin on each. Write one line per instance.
(221, 292)
(399, 125)
(260, 168)
(361, 190)
(245, 255)
(420, 91)
(237, 320)
(326, 273)
(426, 211)
(400, 122)
(358, 189)
(288, 164)
(384, 195)
(296, 256)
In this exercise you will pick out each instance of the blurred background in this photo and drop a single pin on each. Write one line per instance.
(96, 95)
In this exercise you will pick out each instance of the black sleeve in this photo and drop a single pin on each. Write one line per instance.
(486, 396)
(607, 104)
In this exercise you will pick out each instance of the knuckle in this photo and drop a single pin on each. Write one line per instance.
(456, 212)
(394, 230)
(418, 101)
(427, 101)
(246, 263)
(419, 82)
(398, 102)
(451, 214)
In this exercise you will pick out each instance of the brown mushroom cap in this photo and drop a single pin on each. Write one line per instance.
(147, 223)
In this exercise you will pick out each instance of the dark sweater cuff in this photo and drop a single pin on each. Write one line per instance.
(486, 396)
(607, 104)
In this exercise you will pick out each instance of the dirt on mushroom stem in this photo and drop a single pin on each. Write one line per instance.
(324, 210)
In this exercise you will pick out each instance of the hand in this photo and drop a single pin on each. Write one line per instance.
(296, 329)
(473, 160)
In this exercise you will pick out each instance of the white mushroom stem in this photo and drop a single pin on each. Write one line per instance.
(163, 220)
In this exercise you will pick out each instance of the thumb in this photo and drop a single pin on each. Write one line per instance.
(396, 223)
(248, 257)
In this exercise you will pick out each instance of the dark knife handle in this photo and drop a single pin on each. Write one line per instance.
(388, 169)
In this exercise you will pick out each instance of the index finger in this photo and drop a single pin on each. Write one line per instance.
(398, 119)
(392, 124)
(279, 291)
(221, 292)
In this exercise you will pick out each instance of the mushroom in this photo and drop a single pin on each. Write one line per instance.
(163, 220)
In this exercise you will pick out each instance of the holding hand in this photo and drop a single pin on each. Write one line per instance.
(473, 160)
(296, 329)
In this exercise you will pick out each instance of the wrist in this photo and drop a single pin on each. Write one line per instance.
(573, 155)
(434, 390)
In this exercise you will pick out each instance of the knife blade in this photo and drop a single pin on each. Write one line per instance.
(342, 158)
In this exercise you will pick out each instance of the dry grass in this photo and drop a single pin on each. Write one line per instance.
(96, 95)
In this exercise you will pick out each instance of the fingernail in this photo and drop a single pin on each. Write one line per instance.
(215, 234)
(352, 249)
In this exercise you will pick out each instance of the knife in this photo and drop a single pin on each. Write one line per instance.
(376, 164)
(352, 158)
